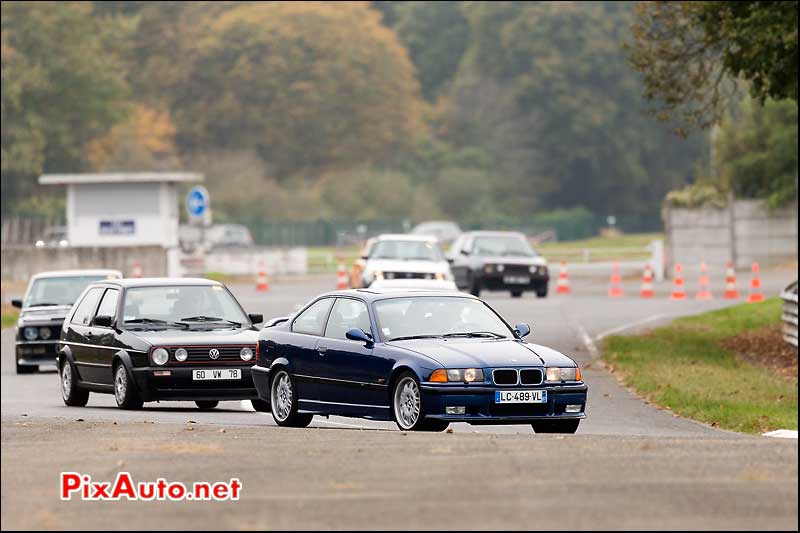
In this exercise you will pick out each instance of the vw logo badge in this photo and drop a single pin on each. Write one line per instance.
(213, 353)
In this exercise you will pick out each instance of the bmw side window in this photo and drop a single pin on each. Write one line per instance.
(108, 306)
(85, 310)
(312, 320)
(347, 314)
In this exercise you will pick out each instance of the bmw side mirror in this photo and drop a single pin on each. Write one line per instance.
(103, 321)
(256, 318)
(522, 329)
(358, 334)
(17, 303)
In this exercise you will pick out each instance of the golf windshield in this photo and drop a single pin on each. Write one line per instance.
(406, 250)
(434, 316)
(509, 246)
(181, 305)
(57, 291)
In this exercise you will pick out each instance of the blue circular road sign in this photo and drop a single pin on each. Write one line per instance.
(197, 202)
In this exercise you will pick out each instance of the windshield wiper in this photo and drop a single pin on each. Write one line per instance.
(475, 334)
(204, 318)
(156, 321)
(45, 304)
(409, 337)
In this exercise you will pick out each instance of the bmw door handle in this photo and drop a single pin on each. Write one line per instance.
(322, 350)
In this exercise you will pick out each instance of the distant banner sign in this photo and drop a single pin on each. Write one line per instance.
(117, 227)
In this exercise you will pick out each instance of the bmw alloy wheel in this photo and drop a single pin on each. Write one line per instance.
(282, 396)
(407, 403)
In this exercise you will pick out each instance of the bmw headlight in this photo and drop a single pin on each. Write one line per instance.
(30, 334)
(45, 333)
(246, 353)
(181, 354)
(463, 375)
(556, 374)
(160, 356)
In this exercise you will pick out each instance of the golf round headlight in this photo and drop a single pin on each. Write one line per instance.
(532, 269)
(30, 334)
(246, 353)
(45, 333)
(181, 354)
(500, 268)
(160, 356)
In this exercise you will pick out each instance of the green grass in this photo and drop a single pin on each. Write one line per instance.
(683, 367)
(9, 316)
(618, 247)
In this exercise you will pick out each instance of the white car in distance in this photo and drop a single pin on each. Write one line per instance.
(405, 257)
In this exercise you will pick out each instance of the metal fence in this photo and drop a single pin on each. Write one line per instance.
(26, 229)
(789, 297)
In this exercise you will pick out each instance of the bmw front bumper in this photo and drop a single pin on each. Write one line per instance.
(480, 407)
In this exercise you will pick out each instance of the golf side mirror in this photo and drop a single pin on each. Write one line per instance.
(256, 318)
(103, 321)
(522, 330)
(16, 303)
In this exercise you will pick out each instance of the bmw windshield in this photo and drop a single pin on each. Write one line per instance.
(438, 316)
(182, 306)
(406, 250)
(505, 246)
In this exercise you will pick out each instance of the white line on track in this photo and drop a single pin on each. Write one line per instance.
(782, 434)
(588, 342)
(630, 325)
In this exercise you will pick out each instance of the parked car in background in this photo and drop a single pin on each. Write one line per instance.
(401, 256)
(445, 231)
(214, 237)
(424, 359)
(53, 237)
(48, 299)
(151, 339)
(498, 261)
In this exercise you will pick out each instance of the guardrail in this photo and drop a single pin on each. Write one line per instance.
(789, 314)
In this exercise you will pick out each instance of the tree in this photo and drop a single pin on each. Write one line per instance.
(757, 151)
(691, 53)
(63, 84)
(313, 87)
(436, 35)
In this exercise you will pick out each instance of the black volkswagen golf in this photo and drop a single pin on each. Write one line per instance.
(156, 339)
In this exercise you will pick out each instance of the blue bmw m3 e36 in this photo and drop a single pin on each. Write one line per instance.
(421, 358)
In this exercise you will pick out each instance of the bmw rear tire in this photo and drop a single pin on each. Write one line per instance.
(70, 393)
(125, 392)
(284, 402)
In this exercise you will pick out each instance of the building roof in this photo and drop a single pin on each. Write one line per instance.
(120, 177)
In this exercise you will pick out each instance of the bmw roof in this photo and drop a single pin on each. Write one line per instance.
(379, 294)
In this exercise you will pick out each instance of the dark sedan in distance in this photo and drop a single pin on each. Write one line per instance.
(421, 358)
(497, 261)
(146, 340)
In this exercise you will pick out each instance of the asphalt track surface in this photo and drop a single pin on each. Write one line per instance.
(628, 461)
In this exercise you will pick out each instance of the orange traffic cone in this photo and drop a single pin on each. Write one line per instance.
(615, 288)
(136, 270)
(262, 282)
(731, 292)
(562, 285)
(341, 278)
(755, 287)
(678, 291)
(647, 283)
(703, 292)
